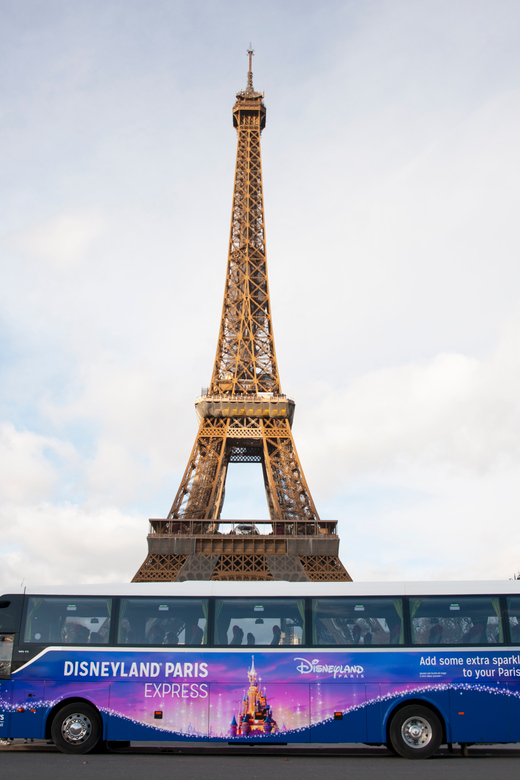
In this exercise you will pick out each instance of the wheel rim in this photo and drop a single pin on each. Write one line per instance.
(416, 732)
(76, 728)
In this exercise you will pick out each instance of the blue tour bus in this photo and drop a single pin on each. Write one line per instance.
(409, 665)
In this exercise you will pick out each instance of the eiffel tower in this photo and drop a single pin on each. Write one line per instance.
(244, 418)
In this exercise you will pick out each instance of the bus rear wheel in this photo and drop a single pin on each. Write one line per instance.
(76, 728)
(415, 732)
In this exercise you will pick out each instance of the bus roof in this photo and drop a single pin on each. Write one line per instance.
(204, 588)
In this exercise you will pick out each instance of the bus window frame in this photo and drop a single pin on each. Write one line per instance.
(209, 599)
(13, 598)
(358, 646)
(453, 646)
(505, 620)
(42, 645)
(262, 647)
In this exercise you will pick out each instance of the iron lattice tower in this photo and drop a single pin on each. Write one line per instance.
(244, 418)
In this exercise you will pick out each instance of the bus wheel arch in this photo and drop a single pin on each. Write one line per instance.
(415, 729)
(75, 726)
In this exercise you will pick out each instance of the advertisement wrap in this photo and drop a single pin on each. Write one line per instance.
(269, 696)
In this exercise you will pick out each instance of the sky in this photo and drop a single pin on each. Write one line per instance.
(391, 165)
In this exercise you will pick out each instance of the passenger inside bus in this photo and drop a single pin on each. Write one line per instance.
(435, 635)
(237, 637)
(475, 635)
(196, 635)
(75, 633)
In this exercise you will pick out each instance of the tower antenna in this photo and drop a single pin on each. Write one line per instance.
(250, 71)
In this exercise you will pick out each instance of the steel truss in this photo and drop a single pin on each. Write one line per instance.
(244, 418)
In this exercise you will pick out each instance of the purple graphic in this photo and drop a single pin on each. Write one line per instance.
(281, 695)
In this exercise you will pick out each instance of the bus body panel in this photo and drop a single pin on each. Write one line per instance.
(338, 712)
(514, 711)
(5, 708)
(480, 715)
(141, 725)
(28, 704)
(300, 695)
(375, 727)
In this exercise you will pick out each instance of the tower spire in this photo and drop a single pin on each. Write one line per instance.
(244, 418)
(250, 71)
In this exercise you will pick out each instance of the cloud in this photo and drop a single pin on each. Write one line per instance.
(453, 410)
(64, 543)
(63, 241)
(429, 523)
(26, 464)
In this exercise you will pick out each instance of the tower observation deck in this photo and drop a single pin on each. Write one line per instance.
(244, 418)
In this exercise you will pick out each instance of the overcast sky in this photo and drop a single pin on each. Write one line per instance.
(391, 165)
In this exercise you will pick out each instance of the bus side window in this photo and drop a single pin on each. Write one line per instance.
(513, 611)
(456, 620)
(162, 621)
(59, 620)
(10, 613)
(357, 621)
(259, 621)
(6, 655)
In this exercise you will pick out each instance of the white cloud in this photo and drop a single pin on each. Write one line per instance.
(28, 473)
(56, 543)
(63, 242)
(430, 523)
(452, 410)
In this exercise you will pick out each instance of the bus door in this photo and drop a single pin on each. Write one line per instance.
(6, 657)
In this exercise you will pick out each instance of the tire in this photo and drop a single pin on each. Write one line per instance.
(415, 732)
(76, 728)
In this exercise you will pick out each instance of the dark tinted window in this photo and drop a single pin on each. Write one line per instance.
(263, 622)
(357, 621)
(456, 620)
(513, 610)
(67, 620)
(10, 613)
(154, 621)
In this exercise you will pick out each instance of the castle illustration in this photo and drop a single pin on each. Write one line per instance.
(255, 715)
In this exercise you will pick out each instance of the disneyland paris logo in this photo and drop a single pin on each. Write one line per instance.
(315, 667)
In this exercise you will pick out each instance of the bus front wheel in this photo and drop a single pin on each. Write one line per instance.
(76, 728)
(415, 732)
